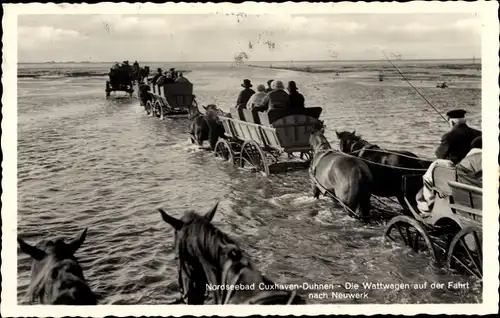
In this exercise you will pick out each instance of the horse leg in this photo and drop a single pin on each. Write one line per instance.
(315, 190)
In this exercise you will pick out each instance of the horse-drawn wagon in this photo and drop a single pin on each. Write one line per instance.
(169, 99)
(259, 140)
(452, 231)
(119, 80)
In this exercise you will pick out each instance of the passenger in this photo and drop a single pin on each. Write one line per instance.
(162, 80)
(173, 74)
(181, 79)
(157, 75)
(296, 98)
(269, 88)
(245, 94)
(116, 66)
(469, 169)
(456, 143)
(257, 98)
(454, 146)
(169, 77)
(276, 99)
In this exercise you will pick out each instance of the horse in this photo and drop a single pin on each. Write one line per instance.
(208, 258)
(56, 275)
(205, 126)
(387, 166)
(347, 178)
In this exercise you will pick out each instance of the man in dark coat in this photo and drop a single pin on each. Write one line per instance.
(245, 94)
(157, 75)
(457, 142)
(276, 99)
(296, 98)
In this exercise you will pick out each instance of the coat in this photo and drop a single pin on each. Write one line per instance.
(470, 169)
(243, 97)
(296, 102)
(256, 99)
(277, 99)
(456, 143)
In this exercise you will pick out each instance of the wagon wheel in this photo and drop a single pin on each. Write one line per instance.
(158, 109)
(224, 151)
(148, 107)
(465, 252)
(253, 155)
(411, 232)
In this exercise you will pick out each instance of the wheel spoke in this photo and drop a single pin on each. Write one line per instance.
(401, 233)
(472, 258)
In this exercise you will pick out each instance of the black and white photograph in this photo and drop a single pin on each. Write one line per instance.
(250, 154)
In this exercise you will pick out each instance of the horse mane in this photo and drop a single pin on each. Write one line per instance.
(209, 242)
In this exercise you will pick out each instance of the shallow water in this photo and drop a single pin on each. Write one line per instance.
(84, 161)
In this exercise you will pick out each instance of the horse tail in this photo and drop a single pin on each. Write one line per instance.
(359, 192)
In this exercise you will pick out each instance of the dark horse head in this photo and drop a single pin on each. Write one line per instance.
(390, 168)
(56, 275)
(318, 141)
(208, 259)
(349, 142)
(206, 126)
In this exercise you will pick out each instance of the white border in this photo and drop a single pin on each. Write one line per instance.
(486, 10)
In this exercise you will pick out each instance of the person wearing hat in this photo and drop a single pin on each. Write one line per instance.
(157, 75)
(457, 142)
(245, 94)
(275, 99)
(470, 169)
(296, 98)
(269, 88)
(257, 98)
(453, 148)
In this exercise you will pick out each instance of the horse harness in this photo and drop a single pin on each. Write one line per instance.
(253, 300)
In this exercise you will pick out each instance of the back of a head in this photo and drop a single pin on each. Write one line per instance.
(277, 85)
(261, 88)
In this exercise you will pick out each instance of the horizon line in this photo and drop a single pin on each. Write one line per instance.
(247, 63)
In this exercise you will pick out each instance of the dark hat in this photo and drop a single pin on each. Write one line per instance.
(456, 113)
(172, 69)
(477, 142)
(159, 69)
(246, 83)
(292, 86)
(270, 81)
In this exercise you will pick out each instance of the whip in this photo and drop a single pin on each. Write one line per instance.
(416, 90)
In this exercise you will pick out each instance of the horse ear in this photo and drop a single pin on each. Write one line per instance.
(204, 107)
(32, 251)
(210, 215)
(75, 244)
(354, 132)
(338, 135)
(176, 223)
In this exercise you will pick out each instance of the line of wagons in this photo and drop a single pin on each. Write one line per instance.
(271, 142)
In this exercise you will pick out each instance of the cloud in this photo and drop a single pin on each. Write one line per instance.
(32, 37)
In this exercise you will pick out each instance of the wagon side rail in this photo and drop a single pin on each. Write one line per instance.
(467, 202)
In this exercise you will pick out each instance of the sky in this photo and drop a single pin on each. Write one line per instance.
(220, 37)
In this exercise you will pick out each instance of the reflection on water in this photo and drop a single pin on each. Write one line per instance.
(84, 161)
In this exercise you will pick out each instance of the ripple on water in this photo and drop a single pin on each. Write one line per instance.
(87, 162)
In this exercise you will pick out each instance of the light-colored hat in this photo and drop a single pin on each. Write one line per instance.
(277, 85)
(261, 88)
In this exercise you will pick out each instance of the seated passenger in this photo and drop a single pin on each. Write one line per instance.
(169, 77)
(269, 88)
(181, 79)
(157, 75)
(276, 99)
(457, 142)
(161, 80)
(116, 66)
(469, 169)
(453, 148)
(245, 94)
(296, 98)
(257, 98)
